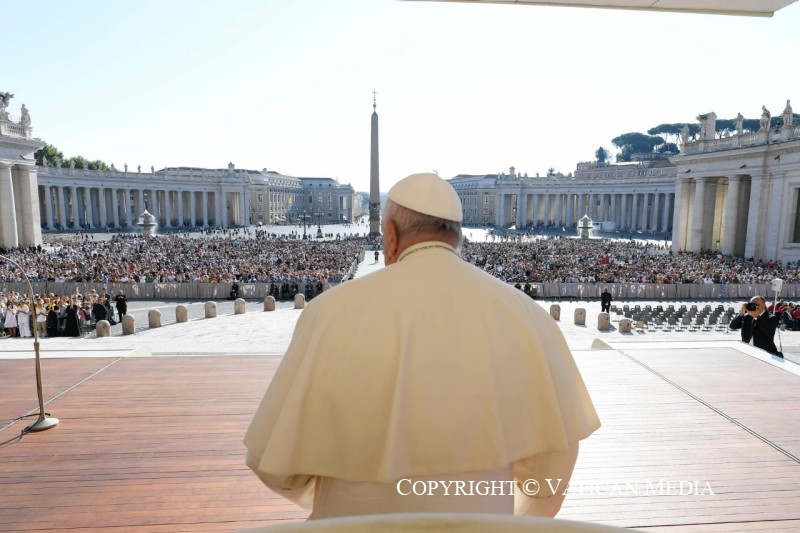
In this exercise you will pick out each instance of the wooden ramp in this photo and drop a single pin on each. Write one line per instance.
(155, 444)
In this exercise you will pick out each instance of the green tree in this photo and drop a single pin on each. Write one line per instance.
(666, 130)
(53, 154)
(635, 143)
(49, 152)
(602, 155)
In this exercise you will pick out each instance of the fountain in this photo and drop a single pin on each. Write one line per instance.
(148, 224)
(585, 225)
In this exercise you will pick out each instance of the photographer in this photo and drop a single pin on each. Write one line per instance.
(757, 324)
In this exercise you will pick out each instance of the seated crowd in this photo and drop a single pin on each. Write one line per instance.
(285, 259)
(179, 259)
(566, 260)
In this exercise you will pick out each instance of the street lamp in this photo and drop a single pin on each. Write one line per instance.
(44, 422)
(304, 217)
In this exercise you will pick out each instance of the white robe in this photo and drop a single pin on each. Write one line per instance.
(429, 368)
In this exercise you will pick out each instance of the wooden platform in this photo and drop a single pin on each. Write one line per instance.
(155, 444)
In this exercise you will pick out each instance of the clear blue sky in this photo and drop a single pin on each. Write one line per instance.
(462, 88)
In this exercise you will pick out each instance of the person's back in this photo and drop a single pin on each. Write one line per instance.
(429, 370)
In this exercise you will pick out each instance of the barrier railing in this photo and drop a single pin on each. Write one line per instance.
(619, 291)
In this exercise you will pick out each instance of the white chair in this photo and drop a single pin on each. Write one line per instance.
(438, 522)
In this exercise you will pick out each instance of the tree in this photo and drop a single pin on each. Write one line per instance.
(49, 152)
(602, 155)
(666, 130)
(635, 143)
(52, 154)
(672, 148)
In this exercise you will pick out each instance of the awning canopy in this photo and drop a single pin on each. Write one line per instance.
(755, 8)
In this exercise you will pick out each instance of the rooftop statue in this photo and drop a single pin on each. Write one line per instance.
(766, 118)
(4, 99)
(25, 120)
(739, 124)
(788, 118)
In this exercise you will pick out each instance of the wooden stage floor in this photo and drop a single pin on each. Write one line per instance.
(154, 444)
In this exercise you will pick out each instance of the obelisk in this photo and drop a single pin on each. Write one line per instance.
(374, 175)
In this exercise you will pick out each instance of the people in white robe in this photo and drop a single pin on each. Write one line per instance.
(426, 371)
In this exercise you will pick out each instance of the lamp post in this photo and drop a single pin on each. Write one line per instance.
(304, 217)
(44, 422)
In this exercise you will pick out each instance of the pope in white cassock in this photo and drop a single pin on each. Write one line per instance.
(427, 370)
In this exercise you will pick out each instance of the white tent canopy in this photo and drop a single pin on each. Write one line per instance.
(756, 8)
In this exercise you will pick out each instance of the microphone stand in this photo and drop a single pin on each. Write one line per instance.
(44, 422)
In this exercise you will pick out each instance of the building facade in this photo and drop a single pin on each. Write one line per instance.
(183, 197)
(740, 194)
(627, 197)
(19, 215)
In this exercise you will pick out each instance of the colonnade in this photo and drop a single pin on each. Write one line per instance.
(713, 213)
(645, 211)
(19, 213)
(92, 206)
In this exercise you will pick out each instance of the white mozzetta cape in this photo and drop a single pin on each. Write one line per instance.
(428, 366)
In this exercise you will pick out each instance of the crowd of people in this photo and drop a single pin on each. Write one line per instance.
(261, 257)
(174, 258)
(53, 315)
(569, 260)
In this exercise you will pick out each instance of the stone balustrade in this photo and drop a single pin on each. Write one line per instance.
(745, 140)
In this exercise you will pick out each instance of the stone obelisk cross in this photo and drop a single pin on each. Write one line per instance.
(374, 175)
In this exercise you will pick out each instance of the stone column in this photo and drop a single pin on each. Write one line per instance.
(570, 210)
(698, 207)
(101, 201)
(62, 208)
(581, 205)
(73, 197)
(634, 212)
(499, 209)
(535, 214)
(522, 210)
(139, 203)
(167, 209)
(666, 211)
(218, 210)
(655, 212)
(613, 209)
(624, 211)
(731, 217)
(181, 218)
(90, 209)
(115, 206)
(129, 215)
(754, 221)
(680, 221)
(87, 204)
(48, 206)
(8, 213)
(246, 207)
(193, 208)
(205, 209)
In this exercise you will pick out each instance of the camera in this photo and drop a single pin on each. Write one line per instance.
(750, 306)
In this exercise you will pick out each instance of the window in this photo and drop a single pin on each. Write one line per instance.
(260, 198)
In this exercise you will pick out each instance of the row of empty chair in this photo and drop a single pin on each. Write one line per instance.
(677, 318)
